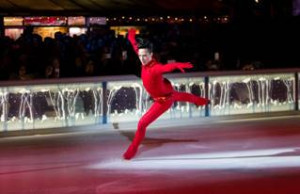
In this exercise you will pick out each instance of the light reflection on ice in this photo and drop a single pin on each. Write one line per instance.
(247, 159)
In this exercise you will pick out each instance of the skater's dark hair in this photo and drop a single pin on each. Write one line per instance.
(144, 44)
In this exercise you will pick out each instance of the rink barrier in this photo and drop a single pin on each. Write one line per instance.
(55, 103)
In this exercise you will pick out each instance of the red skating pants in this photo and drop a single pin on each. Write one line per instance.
(157, 109)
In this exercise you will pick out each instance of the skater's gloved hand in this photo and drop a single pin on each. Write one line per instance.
(182, 66)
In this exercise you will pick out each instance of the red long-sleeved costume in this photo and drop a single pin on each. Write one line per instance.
(161, 90)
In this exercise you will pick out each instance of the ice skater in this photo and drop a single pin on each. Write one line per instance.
(158, 87)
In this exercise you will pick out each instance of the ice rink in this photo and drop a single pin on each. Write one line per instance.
(236, 155)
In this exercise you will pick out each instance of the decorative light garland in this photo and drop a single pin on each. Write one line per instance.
(167, 19)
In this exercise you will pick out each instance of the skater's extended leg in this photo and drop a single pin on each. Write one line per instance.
(188, 97)
(157, 109)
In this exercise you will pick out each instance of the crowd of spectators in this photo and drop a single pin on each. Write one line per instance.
(102, 52)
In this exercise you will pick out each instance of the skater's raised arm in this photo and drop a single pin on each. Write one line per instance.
(131, 38)
(173, 66)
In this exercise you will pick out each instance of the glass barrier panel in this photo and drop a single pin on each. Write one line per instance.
(240, 94)
(51, 106)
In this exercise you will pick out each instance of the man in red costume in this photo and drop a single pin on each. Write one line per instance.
(158, 87)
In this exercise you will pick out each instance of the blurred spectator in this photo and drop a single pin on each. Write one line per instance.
(89, 69)
(214, 64)
(53, 69)
(22, 74)
(49, 71)
(56, 68)
(252, 66)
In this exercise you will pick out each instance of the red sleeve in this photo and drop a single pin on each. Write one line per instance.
(165, 68)
(131, 38)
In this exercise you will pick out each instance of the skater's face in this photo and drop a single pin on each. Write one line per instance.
(145, 56)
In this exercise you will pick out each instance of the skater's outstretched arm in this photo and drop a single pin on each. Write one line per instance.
(172, 66)
(131, 38)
